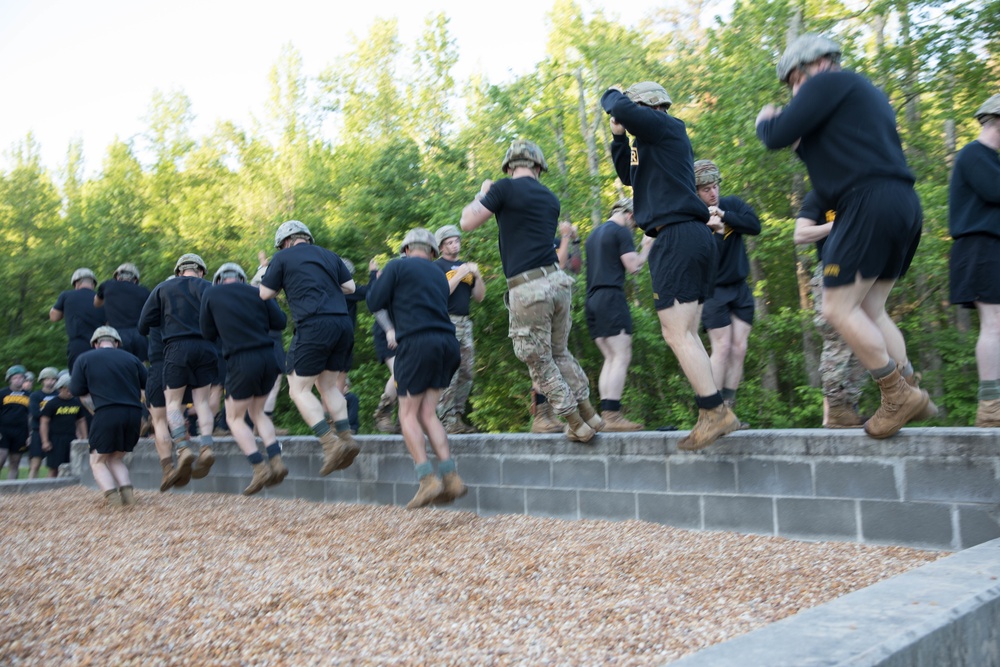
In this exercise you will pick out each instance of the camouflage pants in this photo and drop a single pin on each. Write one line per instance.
(843, 375)
(540, 322)
(453, 399)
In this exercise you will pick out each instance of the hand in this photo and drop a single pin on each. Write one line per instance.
(390, 339)
(767, 113)
(647, 241)
(568, 229)
(263, 260)
(484, 188)
(715, 224)
(372, 265)
(715, 210)
(46, 446)
(617, 128)
(472, 268)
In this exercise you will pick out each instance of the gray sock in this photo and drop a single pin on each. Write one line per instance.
(885, 371)
(989, 390)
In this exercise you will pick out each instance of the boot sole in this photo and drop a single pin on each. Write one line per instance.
(200, 470)
(907, 420)
(254, 488)
(276, 478)
(343, 459)
(182, 474)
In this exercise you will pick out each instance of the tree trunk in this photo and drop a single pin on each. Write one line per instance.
(588, 128)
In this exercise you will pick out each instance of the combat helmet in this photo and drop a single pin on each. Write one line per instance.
(649, 93)
(523, 153)
(990, 107)
(623, 205)
(420, 236)
(188, 261)
(16, 369)
(105, 332)
(49, 372)
(127, 272)
(706, 173)
(229, 270)
(82, 274)
(447, 232)
(808, 48)
(290, 228)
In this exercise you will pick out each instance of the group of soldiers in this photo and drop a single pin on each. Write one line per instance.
(863, 214)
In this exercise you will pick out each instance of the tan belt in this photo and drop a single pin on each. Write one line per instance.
(533, 274)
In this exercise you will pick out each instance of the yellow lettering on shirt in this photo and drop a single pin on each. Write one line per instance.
(831, 216)
(68, 410)
(468, 278)
(635, 156)
(15, 399)
(727, 231)
(831, 270)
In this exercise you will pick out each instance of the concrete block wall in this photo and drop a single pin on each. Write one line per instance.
(933, 488)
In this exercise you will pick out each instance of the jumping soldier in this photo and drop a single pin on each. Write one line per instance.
(540, 293)
(77, 307)
(683, 260)
(861, 172)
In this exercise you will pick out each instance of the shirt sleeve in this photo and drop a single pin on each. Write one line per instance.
(815, 102)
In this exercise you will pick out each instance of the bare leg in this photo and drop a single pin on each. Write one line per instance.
(236, 410)
(103, 477)
(116, 465)
(842, 308)
(333, 400)
(721, 340)
(617, 352)
(679, 326)
(300, 391)
(34, 464)
(737, 353)
(988, 344)
(15, 466)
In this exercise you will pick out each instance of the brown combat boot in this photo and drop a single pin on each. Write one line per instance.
(988, 414)
(454, 488)
(128, 494)
(204, 463)
(545, 421)
(278, 471)
(615, 421)
(590, 415)
(931, 410)
(712, 425)
(383, 416)
(843, 416)
(261, 476)
(182, 471)
(112, 498)
(339, 451)
(168, 474)
(578, 430)
(430, 488)
(901, 403)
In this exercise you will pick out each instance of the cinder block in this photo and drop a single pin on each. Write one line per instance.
(670, 509)
(232, 484)
(774, 478)
(577, 473)
(693, 475)
(301, 465)
(526, 472)
(396, 469)
(963, 481)
(341, 490)
(554, 503)
(309, 489)
(467, 503)
(205, 484)
(404, 493)
(925, 525)
(376, 493)
(608, 505)
(743, 514)
(500, 500)
(479, 469)
(637, 475)
(284, 490)
(227, 463)
(866, 479)
(977, 525)
(817, 518)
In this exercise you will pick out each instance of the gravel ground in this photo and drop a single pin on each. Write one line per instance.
(227, 580)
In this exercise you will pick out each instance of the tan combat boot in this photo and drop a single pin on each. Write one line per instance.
(182, 471)
(112, 498)
(278, 471)
(204, 463)
(339, 451)
(168, 474)
(843, 416)
(545, 421)
(261, 477)
(590, 415)
(615, 421)
(577, 429)
(454, 488)
(430, 488)
(988, 414)
(712, 425)
(901, 403)
(383, 416)
(931, 410)
(128, 495)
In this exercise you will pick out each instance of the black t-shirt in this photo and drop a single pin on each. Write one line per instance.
(154, 345)
(353, 299)
(123, 302)
(734, 265)
(974, 192)
(528, 215)
(63, 413)
(458, 302)
(175, 307)
(311, 277)
(848, 134)
(813, 208)
(604, 248)
(14, 408)
(415, 292)
(36, 403)
(111, 376)
(77, 306)
(659, 165)
(235, 315)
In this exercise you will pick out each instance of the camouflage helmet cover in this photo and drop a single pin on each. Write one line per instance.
(127, 268)
(990, 107)
(447, 232)
(706, 173)
(16, 369)
(807, 48)
(649, 93)
(422, 236)
(189, 260)
(81, 274)
(289, 228)
(623, 205)
(229, 270)
(523, 153)
(48, 372)
(105, 332)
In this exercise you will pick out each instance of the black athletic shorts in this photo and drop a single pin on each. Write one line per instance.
(608, 313)
(974, 267)
(251, 373)
(35, 448)
(683, 263)
(189, 362)
(322, 343)
(115, 429)
(220, 370)
(60, 452)
(426, 361)
(154, 386)
(14, 439)
(876, 233)
(728, 300)
(134, 342)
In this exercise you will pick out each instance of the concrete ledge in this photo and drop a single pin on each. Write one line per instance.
(946, 613)
(36, 485)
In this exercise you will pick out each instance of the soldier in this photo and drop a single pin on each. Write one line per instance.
(416, 294)
(974, 223)
(384, 342)
(77, 307)
(109, 382)
(123, 298)
(843, 376)
(465, 283)
(683, 260)
(728, 314)
(36, 402)
(540, 293)
(189, 361)
(61, 422)
(860, 170)
(611, 253)
(315, 281)
(15, 427)
(233, 313)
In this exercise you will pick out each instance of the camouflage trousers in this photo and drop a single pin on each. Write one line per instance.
(453, 399)
(540, 321)
(843, 375)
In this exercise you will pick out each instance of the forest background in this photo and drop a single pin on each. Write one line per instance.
(413, 144)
